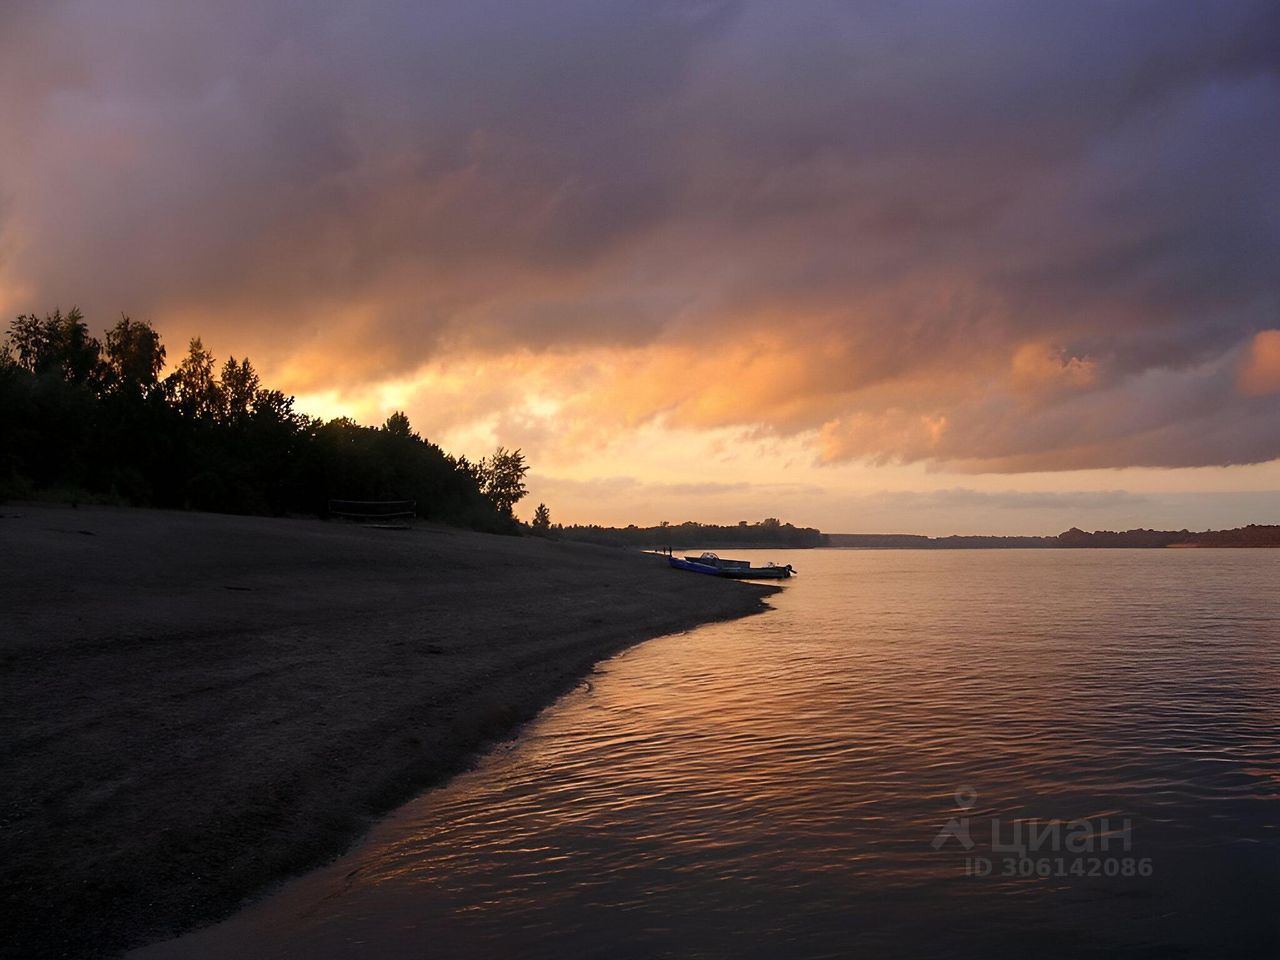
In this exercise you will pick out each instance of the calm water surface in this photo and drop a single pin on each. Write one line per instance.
(802, 783)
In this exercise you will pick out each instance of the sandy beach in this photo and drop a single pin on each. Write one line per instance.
(196, 706)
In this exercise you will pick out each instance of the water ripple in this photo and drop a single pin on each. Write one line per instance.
(776, 786)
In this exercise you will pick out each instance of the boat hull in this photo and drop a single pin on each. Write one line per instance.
(693, 567)
(756, 573)
(733, 573)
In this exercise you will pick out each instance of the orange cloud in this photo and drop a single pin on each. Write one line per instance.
(554, 228)
(1038, 369)
(1261, 371)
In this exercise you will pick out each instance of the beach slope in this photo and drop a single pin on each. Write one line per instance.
(196, 706)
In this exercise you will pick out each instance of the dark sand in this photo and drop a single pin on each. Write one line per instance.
(194, 706)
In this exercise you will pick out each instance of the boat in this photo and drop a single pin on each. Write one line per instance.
(715, 566)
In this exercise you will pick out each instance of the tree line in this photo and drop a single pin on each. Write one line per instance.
(770, 532)
(1254, 535)
(95, 419)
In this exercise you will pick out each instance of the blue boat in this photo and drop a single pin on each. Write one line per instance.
(715, 566)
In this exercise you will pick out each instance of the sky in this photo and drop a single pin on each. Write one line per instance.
(982, 267)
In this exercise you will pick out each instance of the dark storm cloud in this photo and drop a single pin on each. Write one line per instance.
(990, 235)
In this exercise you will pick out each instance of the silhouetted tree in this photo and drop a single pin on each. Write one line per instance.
(541, 520)
(134, 358)
(502, 479)
(58, 344)
(238, 386)
(49, 430)
(398, 426)
(193, 387)
(465, 466)
(275, 406)
(76, 419)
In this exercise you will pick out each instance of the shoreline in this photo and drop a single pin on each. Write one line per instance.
(198, 706)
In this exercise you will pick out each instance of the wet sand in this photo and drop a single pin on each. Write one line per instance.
(195, 706)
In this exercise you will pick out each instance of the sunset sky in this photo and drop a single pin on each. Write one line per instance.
(873, 267)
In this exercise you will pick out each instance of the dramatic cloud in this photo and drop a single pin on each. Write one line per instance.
(985, 236)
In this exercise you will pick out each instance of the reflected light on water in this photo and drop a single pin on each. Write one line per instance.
(776, 784)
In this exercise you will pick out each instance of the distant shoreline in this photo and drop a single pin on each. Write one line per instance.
(197, 706)
(1252, 536)
(694, 537)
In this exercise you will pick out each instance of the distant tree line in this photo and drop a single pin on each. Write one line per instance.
(95, 420)
(1254, 535)
(903, 541)
(770, 532)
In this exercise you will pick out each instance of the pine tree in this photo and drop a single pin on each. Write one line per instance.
(542, 520)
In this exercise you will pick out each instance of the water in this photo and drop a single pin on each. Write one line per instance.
(783, 785)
